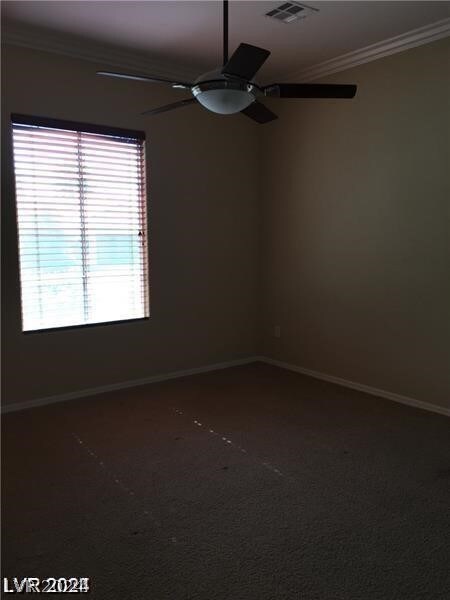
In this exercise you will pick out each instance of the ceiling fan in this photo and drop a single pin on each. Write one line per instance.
(232, 89)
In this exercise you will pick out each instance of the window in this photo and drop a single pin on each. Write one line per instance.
(81, 215)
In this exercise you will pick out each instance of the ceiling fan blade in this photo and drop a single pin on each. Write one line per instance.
(259, 113)
(150, 78)
(167, 107)
(310, 90)
(245, 61)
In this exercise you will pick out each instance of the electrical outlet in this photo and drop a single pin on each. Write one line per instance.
(277, 331)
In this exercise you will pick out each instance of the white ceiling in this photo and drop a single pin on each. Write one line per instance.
(188, 34)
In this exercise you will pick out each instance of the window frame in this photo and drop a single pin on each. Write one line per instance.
(82, 127)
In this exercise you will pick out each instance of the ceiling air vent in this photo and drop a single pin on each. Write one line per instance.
(291, 11)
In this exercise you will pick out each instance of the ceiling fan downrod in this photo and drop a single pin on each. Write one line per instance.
(225, 32)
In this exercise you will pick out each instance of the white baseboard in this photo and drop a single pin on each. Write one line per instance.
(358, 386)
(7, 408)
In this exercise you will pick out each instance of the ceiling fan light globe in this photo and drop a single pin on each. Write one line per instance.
(225, 101)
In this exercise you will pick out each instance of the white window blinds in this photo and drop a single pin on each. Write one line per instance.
(81, 214)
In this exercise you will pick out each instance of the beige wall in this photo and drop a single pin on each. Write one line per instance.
(202, 174)
(355, 239)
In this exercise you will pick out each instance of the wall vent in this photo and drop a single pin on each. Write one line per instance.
(290, 12)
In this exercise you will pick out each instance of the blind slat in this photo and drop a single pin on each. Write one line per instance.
(54, 135)
(77, 296)
(53, 141)
(63, 170)
(57, 188)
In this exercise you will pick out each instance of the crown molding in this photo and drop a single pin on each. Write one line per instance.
(405, 41)
(75, 47)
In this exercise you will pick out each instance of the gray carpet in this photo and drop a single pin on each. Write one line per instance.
(251, 483)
